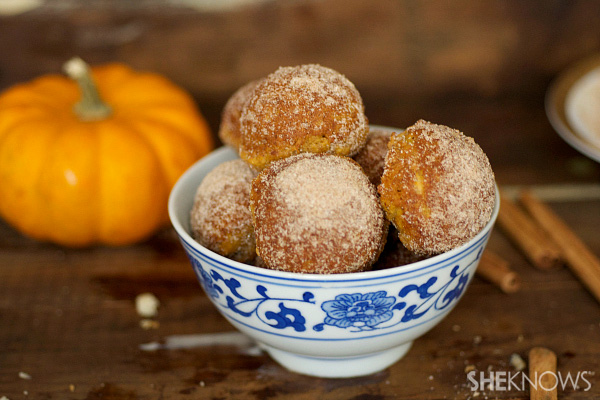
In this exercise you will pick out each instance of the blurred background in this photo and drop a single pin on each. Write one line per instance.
(409, 59)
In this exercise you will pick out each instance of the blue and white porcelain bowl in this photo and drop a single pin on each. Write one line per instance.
(341, 325)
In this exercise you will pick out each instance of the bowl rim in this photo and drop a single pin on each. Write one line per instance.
(191, 244)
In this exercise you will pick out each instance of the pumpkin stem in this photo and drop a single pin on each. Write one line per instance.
(91, 107)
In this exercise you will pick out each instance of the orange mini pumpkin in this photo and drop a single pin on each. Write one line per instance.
(93, 162)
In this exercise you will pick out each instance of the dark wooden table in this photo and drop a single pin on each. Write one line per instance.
(69, 327)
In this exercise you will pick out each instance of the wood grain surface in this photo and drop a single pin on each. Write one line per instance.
(69, 322)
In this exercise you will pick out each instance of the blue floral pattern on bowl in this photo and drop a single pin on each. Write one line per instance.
(358, 310)
(355, 312)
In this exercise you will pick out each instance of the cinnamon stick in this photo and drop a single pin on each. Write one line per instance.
(542, 374)
(496, 270)
(584, 264)
(533, 241)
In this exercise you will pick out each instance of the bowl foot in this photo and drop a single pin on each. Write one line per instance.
(338, 367)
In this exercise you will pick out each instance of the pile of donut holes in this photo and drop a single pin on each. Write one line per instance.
(316, 191)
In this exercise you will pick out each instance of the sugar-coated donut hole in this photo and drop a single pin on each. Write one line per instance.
(229, 129)
(306, 108)
(437, 188)
(220, 218)
(371, 157)
(317, 213)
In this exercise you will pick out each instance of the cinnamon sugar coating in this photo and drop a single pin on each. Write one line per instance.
(229, 130)
(438, 188)
(302, 109)
(317, 213)
(372, 156)
(220, 217)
